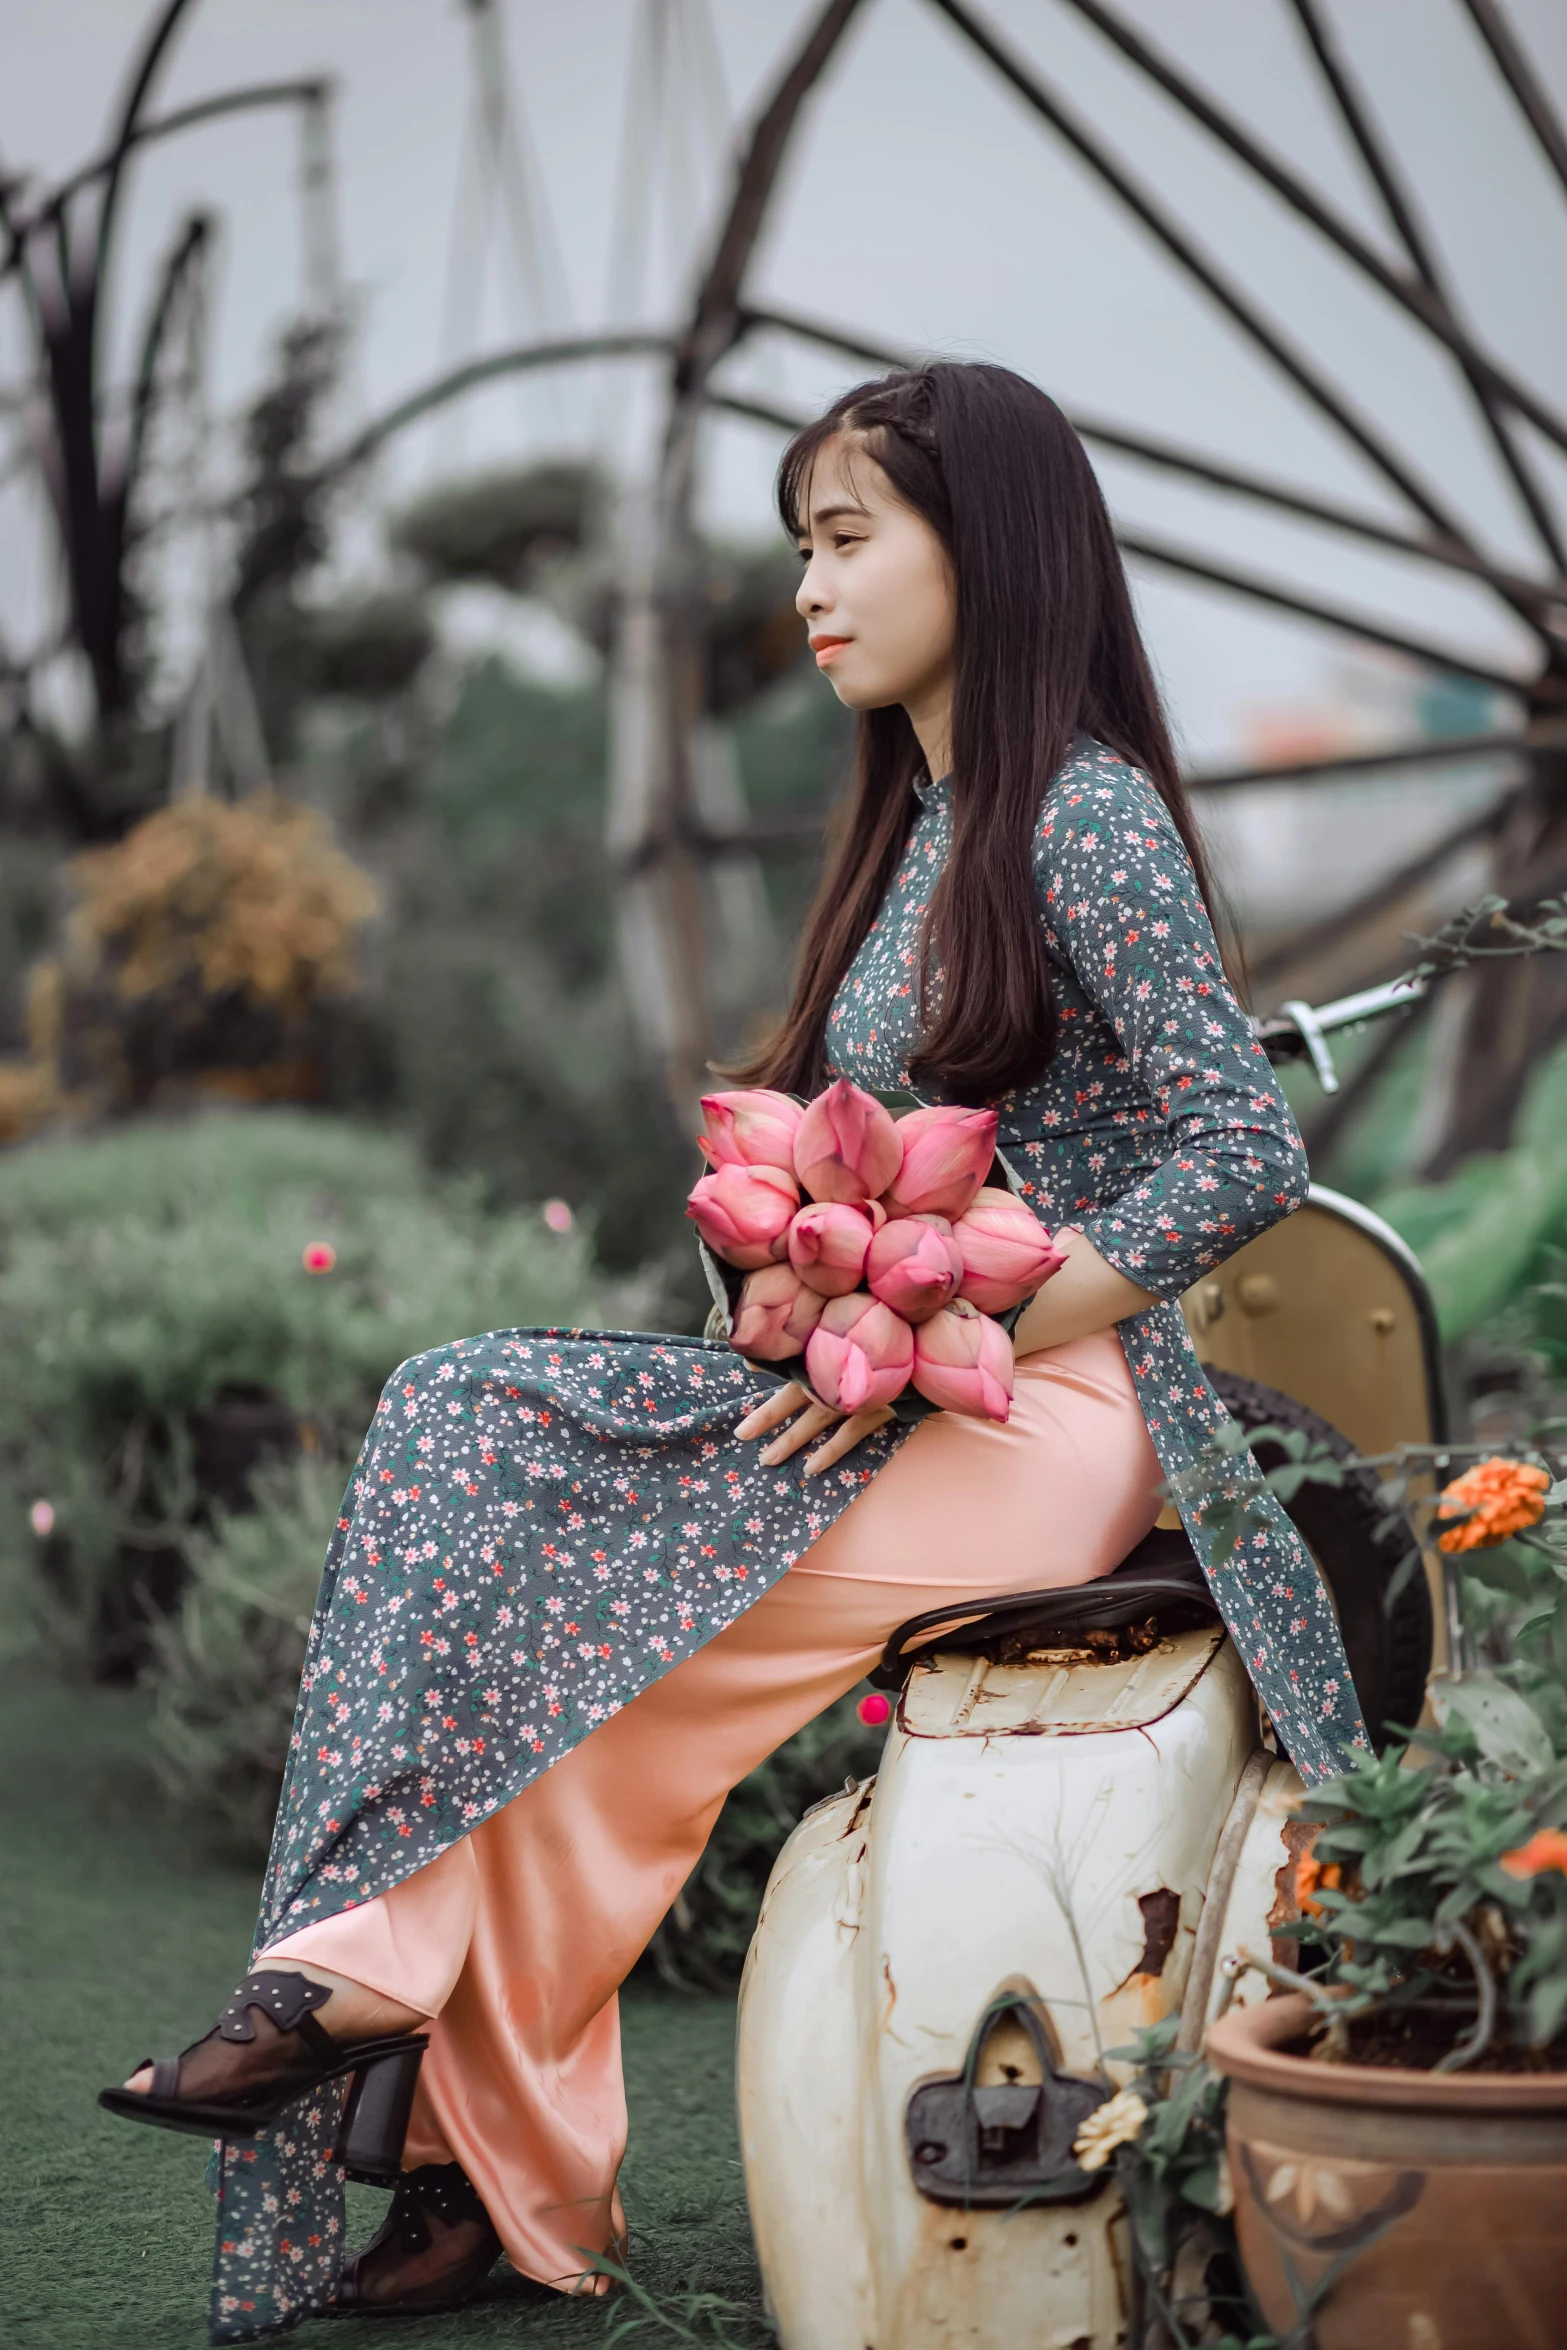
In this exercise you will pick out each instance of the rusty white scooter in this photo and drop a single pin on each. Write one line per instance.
(1078, 1817)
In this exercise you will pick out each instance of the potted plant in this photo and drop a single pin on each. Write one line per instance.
(1397, 2127)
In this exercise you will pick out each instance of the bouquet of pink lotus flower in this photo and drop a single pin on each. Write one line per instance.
(865, 1255)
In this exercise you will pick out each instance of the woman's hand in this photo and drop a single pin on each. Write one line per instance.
(812, 1421)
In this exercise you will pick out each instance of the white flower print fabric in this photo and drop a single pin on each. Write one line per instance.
(541, 1523)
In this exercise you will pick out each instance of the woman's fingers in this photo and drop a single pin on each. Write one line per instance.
(803, 1431)
(779, 1407)
(846, 1436)
(813, 1421)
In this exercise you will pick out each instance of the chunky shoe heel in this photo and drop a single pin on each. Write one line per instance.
(375, 2119)
(434, 2251)
(235, 2081)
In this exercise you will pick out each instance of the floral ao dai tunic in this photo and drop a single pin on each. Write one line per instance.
(541, 1523)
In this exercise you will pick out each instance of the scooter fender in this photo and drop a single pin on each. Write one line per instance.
(1044, 1831)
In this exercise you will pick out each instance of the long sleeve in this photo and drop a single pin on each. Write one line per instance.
(1123, 911)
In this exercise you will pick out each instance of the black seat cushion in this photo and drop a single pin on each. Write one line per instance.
(1158, 1588)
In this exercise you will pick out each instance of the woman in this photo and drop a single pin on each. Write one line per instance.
(583, 1583)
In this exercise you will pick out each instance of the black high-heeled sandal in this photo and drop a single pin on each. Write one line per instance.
(442, 2192)
(251, 2080)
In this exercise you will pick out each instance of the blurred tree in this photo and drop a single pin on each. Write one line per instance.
(214, 949)
(507, 525)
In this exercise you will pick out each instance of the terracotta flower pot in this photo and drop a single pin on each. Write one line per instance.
(1441, 2198)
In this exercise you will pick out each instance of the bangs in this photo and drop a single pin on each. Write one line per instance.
(796, 464)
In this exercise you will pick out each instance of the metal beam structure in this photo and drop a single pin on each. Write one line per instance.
(1521, 79)
(1399, 206)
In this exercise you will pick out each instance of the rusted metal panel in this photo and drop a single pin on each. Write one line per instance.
(1059, 1693)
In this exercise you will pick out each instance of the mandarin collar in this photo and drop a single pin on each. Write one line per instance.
(932, 795)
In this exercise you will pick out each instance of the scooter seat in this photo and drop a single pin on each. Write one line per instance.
(1159, 1587)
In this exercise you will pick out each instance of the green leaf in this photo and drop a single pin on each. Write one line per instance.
(1285, 1483)
(1547, 2007)
(1505, 1726)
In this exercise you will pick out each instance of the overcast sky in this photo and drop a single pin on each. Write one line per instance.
(924, 205)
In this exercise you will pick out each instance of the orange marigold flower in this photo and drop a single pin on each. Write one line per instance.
(1311, 1873)
(1546, 1849)
(1502, 1498)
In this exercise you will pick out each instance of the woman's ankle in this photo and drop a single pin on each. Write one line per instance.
(356, 2011)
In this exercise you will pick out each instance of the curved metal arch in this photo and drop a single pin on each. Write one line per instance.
(311, 91)
(474, 374)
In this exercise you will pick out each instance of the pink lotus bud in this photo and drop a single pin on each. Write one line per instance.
(860, 1353)
(744, 1212)
(827, 1246)
(846, 1146)
(946, 1157)
(775, 1315)
(963, 1361)
(752, 1128)
(1006, 1251)
(914, 1266)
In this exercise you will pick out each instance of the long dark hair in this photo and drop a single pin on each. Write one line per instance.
(1046, 649)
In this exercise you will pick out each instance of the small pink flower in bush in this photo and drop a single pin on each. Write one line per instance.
(860, 1353)
(963, 1362)
(828, 1243)
(846, 1146)
(947, 1154)
(558, 1215)
(913, 1266)
(318, 1256)
(874, 1710)
(743, 1213)
(41, 1518)
(775, 1315)
(1006, 1251)
(753, 1127)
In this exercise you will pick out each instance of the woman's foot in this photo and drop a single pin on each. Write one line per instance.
(265, 2050)
(434, 2252)
(358, 2013)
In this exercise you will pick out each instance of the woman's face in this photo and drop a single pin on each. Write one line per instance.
(877, 596)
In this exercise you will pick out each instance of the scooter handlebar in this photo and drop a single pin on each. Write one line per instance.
(1299, 1031)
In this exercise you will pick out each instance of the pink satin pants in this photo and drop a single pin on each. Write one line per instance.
(517, 1939)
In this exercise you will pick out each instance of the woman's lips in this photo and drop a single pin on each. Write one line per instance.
(827, 648)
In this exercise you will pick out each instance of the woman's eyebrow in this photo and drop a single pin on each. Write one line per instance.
(831, 513)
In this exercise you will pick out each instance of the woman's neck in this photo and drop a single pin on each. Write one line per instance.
(930, 715)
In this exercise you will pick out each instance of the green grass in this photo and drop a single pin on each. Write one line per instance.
(117, 1941)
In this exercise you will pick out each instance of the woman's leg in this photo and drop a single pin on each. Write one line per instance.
(520, 1936)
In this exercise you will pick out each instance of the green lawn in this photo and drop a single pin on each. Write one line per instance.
(116, 1943)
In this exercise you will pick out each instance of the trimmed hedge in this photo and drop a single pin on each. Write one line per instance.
(153, 1291)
